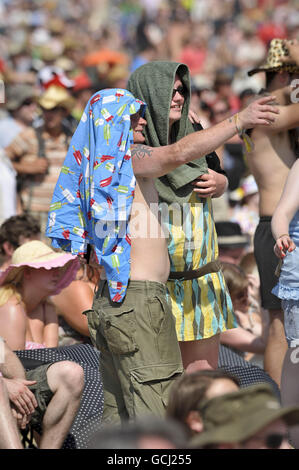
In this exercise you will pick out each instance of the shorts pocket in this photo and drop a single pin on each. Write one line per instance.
(150, 388)
(119, 329)
(93, 324)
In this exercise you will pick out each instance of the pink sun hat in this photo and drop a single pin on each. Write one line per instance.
(36, 254)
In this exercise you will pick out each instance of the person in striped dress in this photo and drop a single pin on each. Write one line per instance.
(199, 297)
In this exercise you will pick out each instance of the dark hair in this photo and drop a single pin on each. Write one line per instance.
(269, 77)
(246, 92)
(15, 226)
(129, 435)
(189, 390)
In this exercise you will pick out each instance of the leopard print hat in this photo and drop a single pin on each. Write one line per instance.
(273, 63)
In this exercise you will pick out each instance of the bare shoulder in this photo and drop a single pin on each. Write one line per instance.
(13, 308)
(75, 289)
(77, 293)
(13, 323)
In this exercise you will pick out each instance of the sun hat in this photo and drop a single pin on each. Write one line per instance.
(36, 254)
(237, 416)
(56, 96)
(273, 63)
(229, 234)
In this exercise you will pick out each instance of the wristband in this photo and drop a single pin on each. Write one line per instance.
(237, 124)
(248, 144)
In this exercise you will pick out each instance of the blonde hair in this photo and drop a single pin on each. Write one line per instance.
(10, 288)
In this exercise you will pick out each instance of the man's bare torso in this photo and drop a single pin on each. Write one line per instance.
(149, 254)
(270, 163)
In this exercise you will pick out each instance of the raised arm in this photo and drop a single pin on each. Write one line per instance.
(285, 211)
(154, 162)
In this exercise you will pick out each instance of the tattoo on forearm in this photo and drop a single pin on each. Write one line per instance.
(141, 151)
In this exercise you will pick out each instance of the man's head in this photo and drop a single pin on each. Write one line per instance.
(250, 418)
(21, 103)
(179, 93)
(159, 84)
(137, 123)
(56, 103)
(232, 242)
(17, 230)
(191, 389)
(278, 66)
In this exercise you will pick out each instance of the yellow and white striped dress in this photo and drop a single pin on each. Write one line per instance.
(202, 307)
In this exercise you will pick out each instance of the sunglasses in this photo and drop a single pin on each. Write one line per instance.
(181, 90)
(28, 102)
(274, 440)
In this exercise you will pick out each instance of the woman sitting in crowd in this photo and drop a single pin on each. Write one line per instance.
(248, 337)
(27, 319)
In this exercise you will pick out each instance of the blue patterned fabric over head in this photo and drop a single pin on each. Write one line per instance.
(93, 196)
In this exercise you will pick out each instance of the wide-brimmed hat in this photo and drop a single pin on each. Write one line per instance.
(17, 94)
(56, 96)
(36, 254)
(229, 234)
(237, 416)
(273, 63)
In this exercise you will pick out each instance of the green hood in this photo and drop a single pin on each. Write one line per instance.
(153, 83)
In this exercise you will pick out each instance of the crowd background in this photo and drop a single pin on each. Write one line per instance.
(58, 53)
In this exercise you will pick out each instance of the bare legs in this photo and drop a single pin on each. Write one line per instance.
(66, 380)
(9, 435)
(201, 354)
(276, 346)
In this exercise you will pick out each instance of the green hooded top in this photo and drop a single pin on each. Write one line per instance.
(153, 83)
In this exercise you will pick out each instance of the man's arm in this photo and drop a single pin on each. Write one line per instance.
(11, 367)
(17, 149)
(154, 162)
(17, 386)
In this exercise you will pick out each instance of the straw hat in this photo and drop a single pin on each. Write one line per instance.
(277, 50)
(36, 254)
(56, 96)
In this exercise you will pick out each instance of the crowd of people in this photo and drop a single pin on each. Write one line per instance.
(149, 208)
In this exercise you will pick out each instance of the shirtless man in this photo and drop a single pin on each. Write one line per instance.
(139, 382)
(133, 327)
(275, 150)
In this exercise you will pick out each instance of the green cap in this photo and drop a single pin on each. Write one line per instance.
(237, 416)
